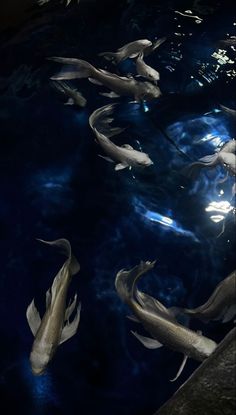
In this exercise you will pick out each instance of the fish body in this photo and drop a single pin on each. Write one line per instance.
(221, 305)
(122, 86)
(54, 328)
(130, 50)
(145, 70)
(225, 157)
(74, 96)
(159, 322)
(124, 156)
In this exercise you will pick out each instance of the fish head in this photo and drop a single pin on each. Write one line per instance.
(151, 91)
(145, 42)
(143, 160)
(39, 362)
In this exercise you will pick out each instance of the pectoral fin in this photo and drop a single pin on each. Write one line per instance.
(147, 341)
(33, 318)
(120, 166)
(109, 94)
(94, 81)
(106, 158)
(70, 328)
(180, 369)
(70, 308)
(70, 102)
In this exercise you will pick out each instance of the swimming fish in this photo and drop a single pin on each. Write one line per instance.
(157, 320)
(228, 111)
(125, 155)
(220, 306)
(145, 70)
(119, 85)
(74, 96)
(55, 327)
(130, 50)
(228, 42)
(226, 157)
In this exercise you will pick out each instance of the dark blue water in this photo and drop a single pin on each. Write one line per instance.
(53, 185)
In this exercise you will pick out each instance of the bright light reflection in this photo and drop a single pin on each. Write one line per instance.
(217, 218)
(223, 207)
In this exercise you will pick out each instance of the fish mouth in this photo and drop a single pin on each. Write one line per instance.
(37, 371)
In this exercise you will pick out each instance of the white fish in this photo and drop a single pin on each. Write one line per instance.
(145, 70)
(124, 156)
(55, 327)
(221, 305)
(130, 50)
(120, 85)
(157, 320)
(225, 157)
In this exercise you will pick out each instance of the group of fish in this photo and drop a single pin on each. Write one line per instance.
(125, 156)
(161, 323)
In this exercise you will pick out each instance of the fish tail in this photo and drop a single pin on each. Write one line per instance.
(193, 169)
(126, 280)
(73, 69)
(65, 248)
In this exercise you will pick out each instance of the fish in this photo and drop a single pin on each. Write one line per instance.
(42, 2)
(130, 50)
(121, 86)
(55, 326)
(226, 157)
(74, 96)
(154, 46)
(159, 321)
(124, 156)
(228, 42)
(221, 305)
(145, 70)
(229, 111)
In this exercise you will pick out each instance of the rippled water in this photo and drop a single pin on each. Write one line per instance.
(53, 184)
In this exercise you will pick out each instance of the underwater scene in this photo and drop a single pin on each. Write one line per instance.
(117, 213)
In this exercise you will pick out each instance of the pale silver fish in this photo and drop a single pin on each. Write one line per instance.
(228, 42)
(220, 306)
(42, 2)
(124, 156)
(225, 157)
(154, 46)
(228, 111)
(130, 50)
(119, 85)
(55, 327)
(74, 96)
(145, 70)
(157, 320)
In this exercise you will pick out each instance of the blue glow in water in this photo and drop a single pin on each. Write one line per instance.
(145, 107)
(41, 387)
(200, 130)
(167, 222)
